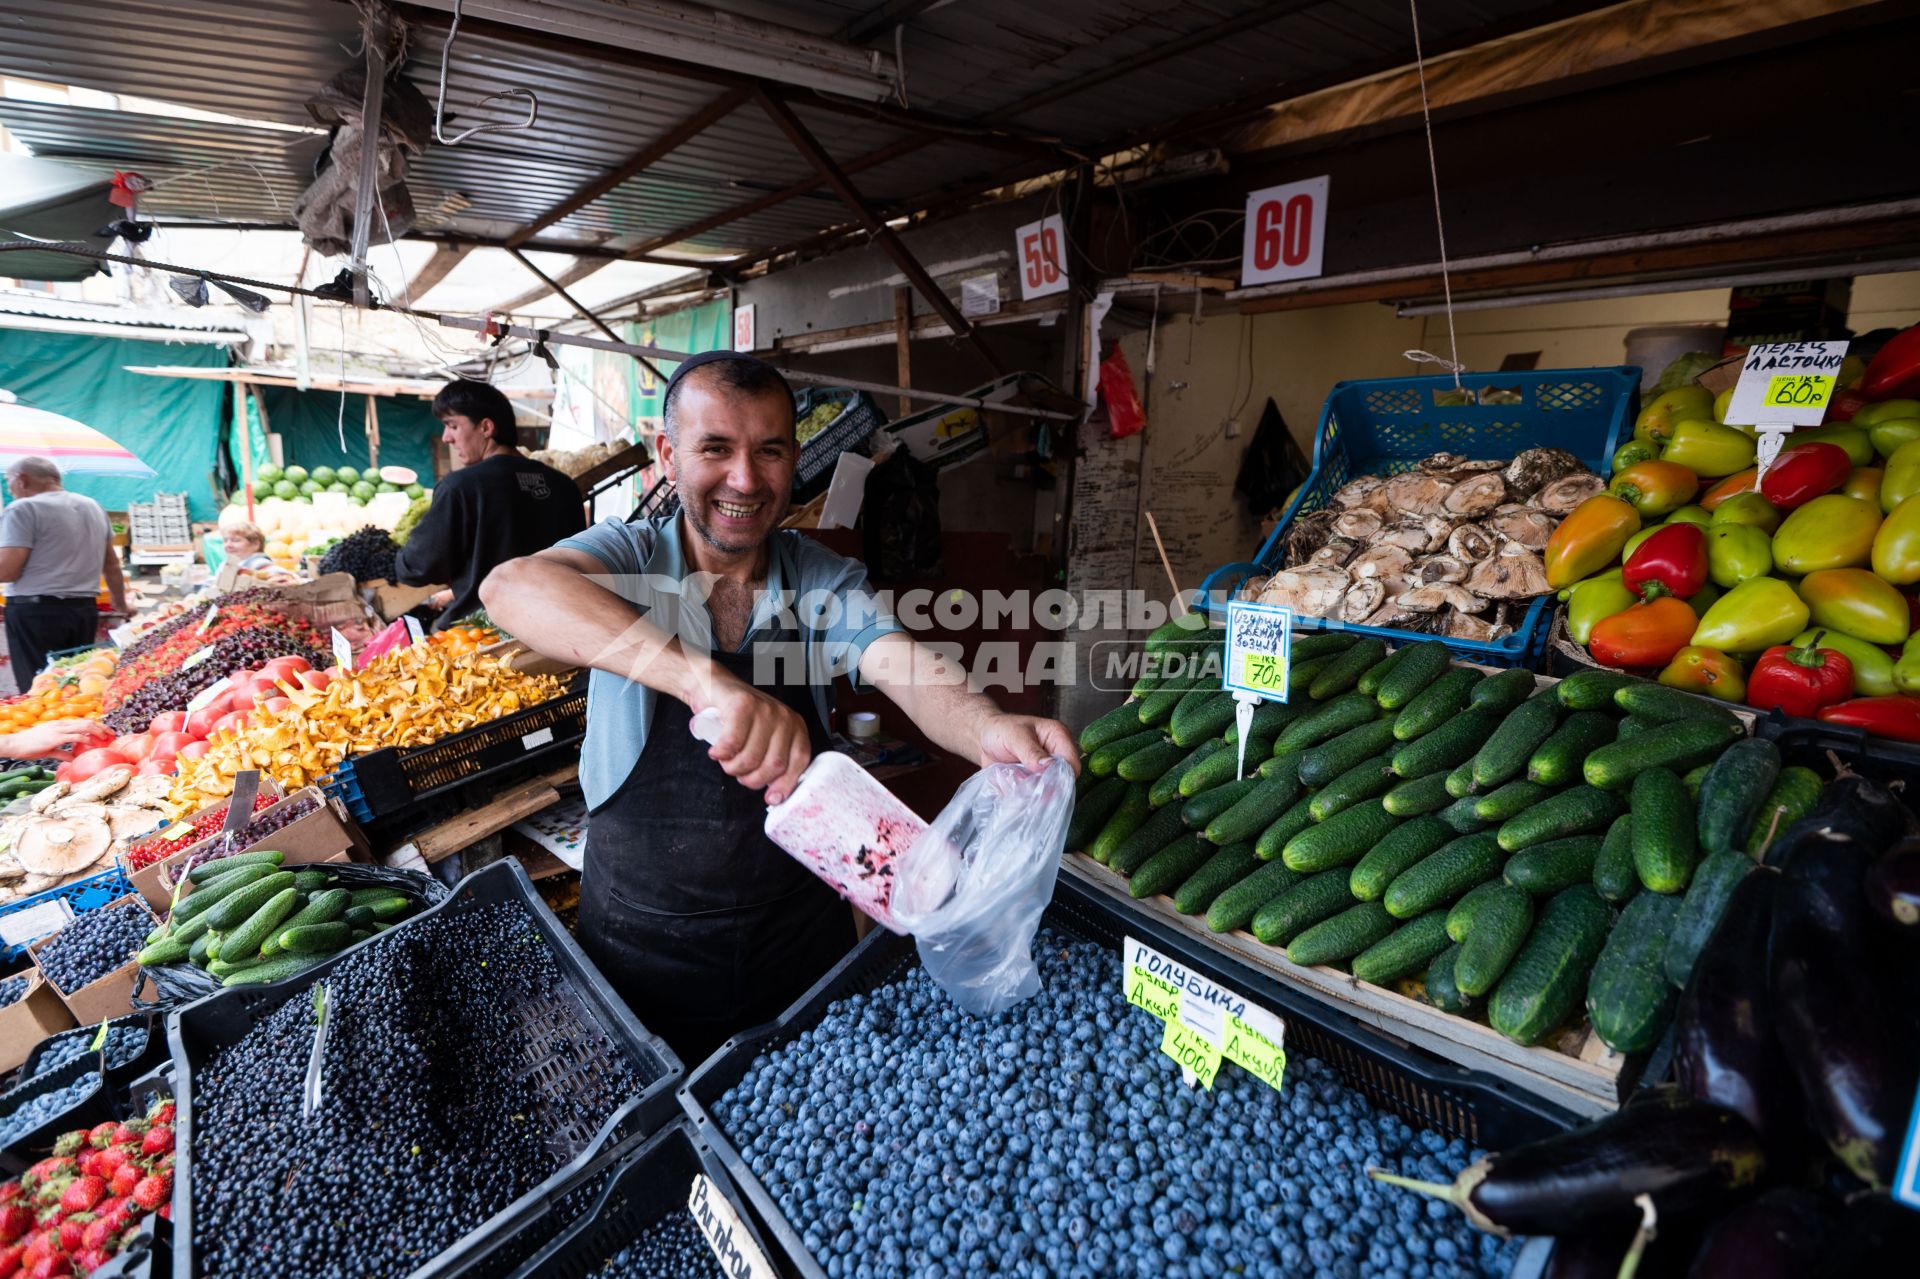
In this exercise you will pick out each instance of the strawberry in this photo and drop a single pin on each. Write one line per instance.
(97, 1233)
(45, 1170)
(100, 1134)
(52, 1265)
(162, 1113)
(153, 1191)
(83, 1194)
(72, 1234)
(128, 1134)
(90, 1260)
(16, 1220)
(125, 1178)
(158, 1141)
(69, 1143)
(10, 1259)
(112, 1160)
(166, 1211)
(11, 1191)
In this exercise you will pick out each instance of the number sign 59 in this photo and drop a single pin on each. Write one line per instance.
(1285, 235)
(1043, 257)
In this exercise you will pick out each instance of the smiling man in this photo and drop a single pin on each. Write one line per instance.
(696, 917)
(500, 503)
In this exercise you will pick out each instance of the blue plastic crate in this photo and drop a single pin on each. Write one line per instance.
(1383, 425)
(82, 895)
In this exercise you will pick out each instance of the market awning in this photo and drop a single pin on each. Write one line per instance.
(48, 200)
(75, 448)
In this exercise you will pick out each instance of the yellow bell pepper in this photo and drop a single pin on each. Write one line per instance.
(1831, 531)
(1709, 449)
(1589, 539)
(1896, 547)
(1657, 420)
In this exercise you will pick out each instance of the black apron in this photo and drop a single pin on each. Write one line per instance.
(702, 923)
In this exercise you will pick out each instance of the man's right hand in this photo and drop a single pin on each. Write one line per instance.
(763, 743)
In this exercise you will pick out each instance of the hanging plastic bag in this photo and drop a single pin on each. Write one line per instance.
(1125, 414)
(971, 890)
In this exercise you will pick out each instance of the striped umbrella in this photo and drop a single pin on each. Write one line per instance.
(75, 449)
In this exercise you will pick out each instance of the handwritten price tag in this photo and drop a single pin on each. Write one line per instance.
(1259, 644)
(1206, 1023)
(1188, 1047)
(1801, 391)
(1154, 994)
(1259, 1052)
(1786, 384)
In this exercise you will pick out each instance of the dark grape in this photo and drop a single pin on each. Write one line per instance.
(367, 553)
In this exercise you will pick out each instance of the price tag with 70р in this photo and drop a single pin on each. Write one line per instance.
(1205, 1022)
(1783, 385)
(1259, 652)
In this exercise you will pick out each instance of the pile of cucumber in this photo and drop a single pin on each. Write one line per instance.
(28, 779)
(247, 921)
(1527, 848)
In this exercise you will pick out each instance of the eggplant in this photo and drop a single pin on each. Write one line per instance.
(1688, 1155)
(1668, 1254)
(1876, 1237)
(1831, 1009)
(1893, 885)
(1852, 810)
(1784, 1234)
(1725, 1052)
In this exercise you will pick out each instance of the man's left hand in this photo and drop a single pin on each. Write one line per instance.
(1026, 739)
(52, 737)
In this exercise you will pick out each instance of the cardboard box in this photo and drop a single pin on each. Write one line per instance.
(326, 834)
(391, 600)
(108, 997)
(30, 1019)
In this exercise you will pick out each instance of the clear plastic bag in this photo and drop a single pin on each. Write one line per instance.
(971, 890)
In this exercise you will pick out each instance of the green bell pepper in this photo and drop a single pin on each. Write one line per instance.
(1593, 600)
(1900, 479)
(1894, 434)
(1698, 516)
(1831, 531)
(1886, 411)
(1853, 439)
(1858, 603)
(1750, 509)
(1873, 671)
(1906, 671)
(1704, 598)
(1709, 449)
(1756, 614)
(1738, 553)
(1635, 450)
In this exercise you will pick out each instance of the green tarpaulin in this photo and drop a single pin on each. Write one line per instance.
(311, 425)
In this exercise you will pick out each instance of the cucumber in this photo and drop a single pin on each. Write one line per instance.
(1575, 811)
(1300, 676)
(1154, 834)
(1287, 765)
(214, 869)
(1700, 910)
(1200, 715)
(1439, 702)
(1460, 782)
(1678, 746)
(1167, 869)
(1284, 827)
(1127, 818)
(1521, 733)
(188, 931)
(311, 881)
(1318, 644)
(1092, 808)
(1664, 840)
(359, 916)
(1220, 872)
(1736, 786)
(1421, 795)
(1340, 840)
(1692, 781)
(391, 906)
(1592, 690)
(1210, 764)
(1633, 725)
(1400, 849)
(1122, 721)
(1559, 758)
(1347, 934)
(1281, 918)
(323, 908)
(1146, 765)
(1327, 761)
(1544, 984)
(1241, 901)
(1104, 762)
(1254, 811)
(1441, 748)
(279, 968)
(1443, 875)
(212, 893)
(243, 943)
(1614, 877)
(1407, 949)
(235, 909)
(1442, 991)
(1498, 694)
(1269, 718)
(1459, 816)
(168, 950)
(1413, 675)
(1151, 678)
(1461, 914)
(1369, 681)
(1187, 628)
(1509, 801)
(1793, 796)
(1545, 869)
(1666, 705)
(1366, 780)
(1628, 995)
(1499, 930)
(1344, 671)
(1350, 710)
(1156, 708)
(200, 953)
(1207, 805)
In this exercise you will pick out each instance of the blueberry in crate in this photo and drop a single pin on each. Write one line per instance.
(125, 1041)
(44, 1107)
(93, 945)
(671, 1248)
(12, 988)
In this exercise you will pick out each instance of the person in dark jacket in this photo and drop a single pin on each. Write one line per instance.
(499, 505)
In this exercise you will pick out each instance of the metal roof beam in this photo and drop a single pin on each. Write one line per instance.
(875, 21)
(572, 275)
(433, 270)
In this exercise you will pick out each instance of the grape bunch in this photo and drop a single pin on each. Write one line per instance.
(671, 1248)
(45, 1108)
(242, 650)
(367, 553)
(11, 989)
(93, 945)
(125, 1041)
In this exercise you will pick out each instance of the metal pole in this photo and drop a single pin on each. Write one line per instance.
(568, 298)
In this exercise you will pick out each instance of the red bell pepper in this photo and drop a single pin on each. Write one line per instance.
(1648, 634)
(1671, 562)
(1894, 373)
(1803, 473)
(1801, 680)
(1845, 404)
(1896, 716)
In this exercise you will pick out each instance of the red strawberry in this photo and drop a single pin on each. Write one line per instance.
(45, 1170)
(90, 1260)
(100, 1134)
(166, 1211)
(128, 1134)
(97, 1233)
(83, 1194)
(158, 1141)
(11, 1191)
(72, 1234)
(162, 1113)
(125, 1178)
(153, 1191)
(15, 1221)
(53, 1264)
(112, 1160)
(10, 1259)
(68, 1143)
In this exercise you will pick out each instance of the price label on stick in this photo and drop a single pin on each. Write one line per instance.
(1259, 645)
(342, 651)
(1783, 385)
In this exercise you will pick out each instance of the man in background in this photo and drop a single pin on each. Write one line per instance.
(499, 505)
(54, 548)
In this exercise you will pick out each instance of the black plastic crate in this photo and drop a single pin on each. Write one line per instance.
(36, 1144)
(1424, 1090)
(150, 1251)
(151, 1054)
(386, 781)
(1809, 742)
(198, 1030)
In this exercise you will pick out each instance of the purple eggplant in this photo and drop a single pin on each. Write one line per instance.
(1830, 1009)
(1852, 810)
(1688, 1155)
(1784, 1234)
(1893, 885)
(1725, 1052)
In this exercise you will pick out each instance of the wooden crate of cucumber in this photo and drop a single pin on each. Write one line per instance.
(1513, 871)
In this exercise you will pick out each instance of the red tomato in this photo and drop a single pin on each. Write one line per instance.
(278, 704)
(316, 680)
(133, 748)
(193, 750)
(170, 744)
(168, 722)
(87, 763)
(201, 722)
(240, 687)
(293, 663)
(233, 721)
(155, 767)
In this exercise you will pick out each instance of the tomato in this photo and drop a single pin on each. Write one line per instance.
(168, 722)
(170, 744)
(133, 748)
(201, 723)
(240, 686)
(155, 767)
(193, 750)
(277, 704)
(288, 667)
(87, 763)
(233, 722)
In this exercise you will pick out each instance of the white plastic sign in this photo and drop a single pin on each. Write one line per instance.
(414, 633)
(1786, 384)
(743, 327)
(1259, 646)
(342, 651)
(207, 694)
(733, 1247)
(1285, 235)
(1041, 251)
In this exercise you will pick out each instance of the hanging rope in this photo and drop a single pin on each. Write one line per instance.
(1439, 221)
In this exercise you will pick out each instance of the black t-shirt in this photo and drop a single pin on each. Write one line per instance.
(485, 514)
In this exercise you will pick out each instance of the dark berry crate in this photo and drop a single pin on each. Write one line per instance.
(1424, 1091)
(571, 1234)
(383, 782)
(151, 1054)
(196, 1031)
(1809, 742)
(37, 1143)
